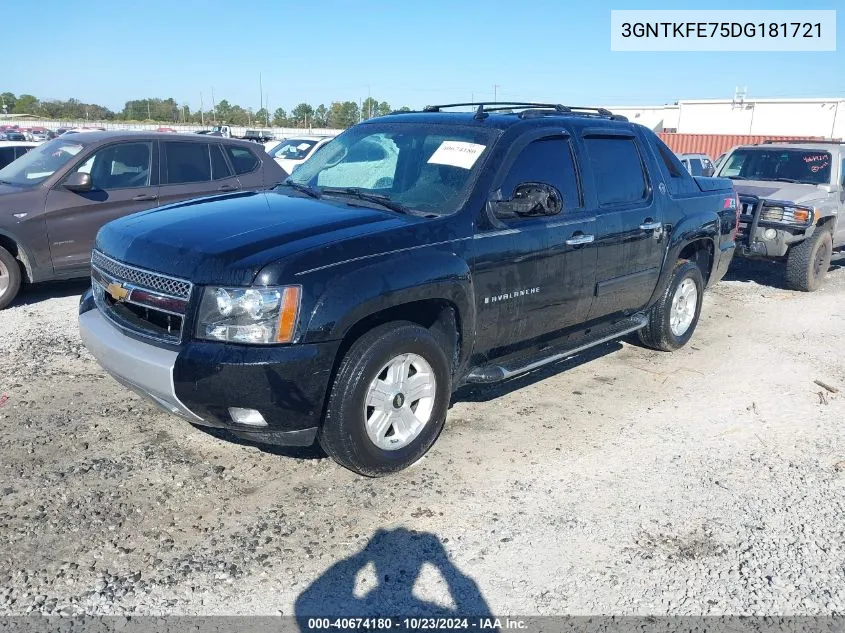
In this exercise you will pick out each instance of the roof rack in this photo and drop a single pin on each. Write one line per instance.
(802, 142)
(529, 109)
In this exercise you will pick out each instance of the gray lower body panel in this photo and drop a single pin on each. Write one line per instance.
(144, 368)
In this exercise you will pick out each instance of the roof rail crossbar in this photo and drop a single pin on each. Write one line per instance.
(528, 107)
(500, 105)
(795, 141)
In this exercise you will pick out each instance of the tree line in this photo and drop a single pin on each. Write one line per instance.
(338, 114)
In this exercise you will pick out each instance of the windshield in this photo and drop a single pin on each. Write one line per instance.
(293, 149)
(38, 165)
(427, 168)
(807, 166)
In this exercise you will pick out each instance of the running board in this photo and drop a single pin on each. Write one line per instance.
(495, 373)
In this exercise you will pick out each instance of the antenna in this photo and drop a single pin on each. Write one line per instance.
(739, 97)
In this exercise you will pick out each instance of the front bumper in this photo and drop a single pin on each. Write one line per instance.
(201, 380)
(752, 239)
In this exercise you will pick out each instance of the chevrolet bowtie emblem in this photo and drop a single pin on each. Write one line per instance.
(117, 292)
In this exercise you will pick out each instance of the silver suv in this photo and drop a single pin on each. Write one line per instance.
(792, 197)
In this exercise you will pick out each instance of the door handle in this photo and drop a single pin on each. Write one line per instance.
(577, 240)
(145, 197)
(227, 188)
(648, 225)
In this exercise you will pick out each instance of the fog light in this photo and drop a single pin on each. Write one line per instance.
(770, 234)
(250, 417)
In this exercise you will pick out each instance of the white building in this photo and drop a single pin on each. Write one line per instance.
(824, 117)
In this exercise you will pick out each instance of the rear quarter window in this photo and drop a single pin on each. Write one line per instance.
(243, 160)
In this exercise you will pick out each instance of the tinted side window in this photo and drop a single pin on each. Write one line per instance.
(243, 159)
(21, 151)
(219, 167)
(119, 166)
(617, 169)
(187, 162)
(7, 155)
(547, 160)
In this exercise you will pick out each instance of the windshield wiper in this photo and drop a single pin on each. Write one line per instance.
(301, 188)
(355, 192)
(738, 177)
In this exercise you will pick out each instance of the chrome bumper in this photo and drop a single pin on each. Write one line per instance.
(144, 368)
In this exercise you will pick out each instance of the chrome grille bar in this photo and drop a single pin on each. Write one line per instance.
(172, 286)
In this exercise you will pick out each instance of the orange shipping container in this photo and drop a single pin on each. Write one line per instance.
(714, 144)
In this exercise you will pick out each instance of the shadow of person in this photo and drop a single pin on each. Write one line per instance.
(397, 558)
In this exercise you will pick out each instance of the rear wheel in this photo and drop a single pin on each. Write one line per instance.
(672, 320)
(10, 277)
(809, 261)
(389, 400)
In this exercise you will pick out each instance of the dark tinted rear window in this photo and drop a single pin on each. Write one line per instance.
(549, 161)
(187, 162)
(617, 169)
(243, 159)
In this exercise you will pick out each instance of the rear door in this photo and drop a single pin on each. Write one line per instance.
(534, 275)
(125, 180)
(630, 237)
(191, 169)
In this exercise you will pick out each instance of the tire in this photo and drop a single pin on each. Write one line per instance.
(808, 262)
(666, 330)
(10, 278)
(364, 438)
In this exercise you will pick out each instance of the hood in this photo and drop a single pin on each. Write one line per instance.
(799, 193)
(228, 239)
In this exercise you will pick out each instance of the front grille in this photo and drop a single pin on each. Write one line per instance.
(146, 278)
(141, 301)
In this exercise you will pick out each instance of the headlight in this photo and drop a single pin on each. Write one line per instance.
(788, 214)
(249, 315)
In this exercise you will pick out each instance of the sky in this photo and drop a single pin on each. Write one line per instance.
(400, 51)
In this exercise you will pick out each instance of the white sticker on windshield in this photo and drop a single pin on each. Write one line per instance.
(303, 146)
(457, 154)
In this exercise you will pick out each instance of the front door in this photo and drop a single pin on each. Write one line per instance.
(125, 180)
(192, 169)
(534, 276)
(630, 236)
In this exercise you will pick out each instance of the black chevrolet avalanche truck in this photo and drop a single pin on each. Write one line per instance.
(413, 254)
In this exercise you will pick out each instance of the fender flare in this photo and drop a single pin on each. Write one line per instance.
(24, 256)
(691, 229)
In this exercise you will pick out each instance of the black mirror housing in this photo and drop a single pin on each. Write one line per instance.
(529, 199)
(79, 182)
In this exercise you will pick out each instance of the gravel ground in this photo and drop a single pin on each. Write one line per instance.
(707, 481)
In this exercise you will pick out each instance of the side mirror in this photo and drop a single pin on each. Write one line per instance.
(529, 199)
(79, 182)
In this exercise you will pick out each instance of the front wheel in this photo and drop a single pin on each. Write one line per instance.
(10, 277)
(389, 400)
(672, 320)
(808, 262)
